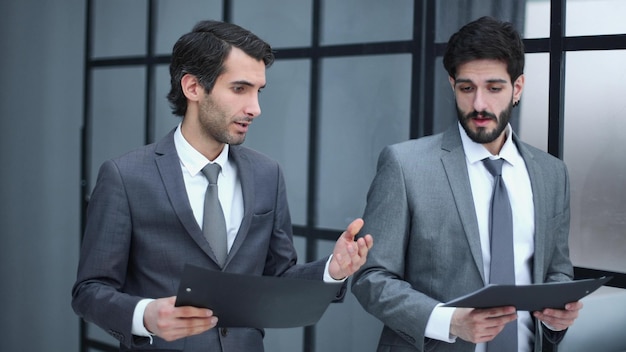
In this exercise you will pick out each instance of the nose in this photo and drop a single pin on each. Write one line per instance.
(253, 108)
(480, 103)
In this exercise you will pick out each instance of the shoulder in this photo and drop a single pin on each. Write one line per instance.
(422, 147)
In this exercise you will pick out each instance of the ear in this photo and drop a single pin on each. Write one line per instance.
(191, 87)
(518, 87)
(452, 81)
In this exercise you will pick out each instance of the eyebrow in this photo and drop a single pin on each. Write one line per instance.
(246, 83)
(491, 80)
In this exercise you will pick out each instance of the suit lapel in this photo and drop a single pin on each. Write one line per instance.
(168, 164)
(538, 186)
(453, 160)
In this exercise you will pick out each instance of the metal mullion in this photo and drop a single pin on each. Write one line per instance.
(557, 78)
(428, 69)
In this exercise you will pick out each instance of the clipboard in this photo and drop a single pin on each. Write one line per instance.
(530, 297)
(239, 300)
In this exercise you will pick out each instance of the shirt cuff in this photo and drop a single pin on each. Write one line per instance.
(551, 328)
(138, 328)
(327, 278)
(438, 326)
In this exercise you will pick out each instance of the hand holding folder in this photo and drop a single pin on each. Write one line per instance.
(534, 297)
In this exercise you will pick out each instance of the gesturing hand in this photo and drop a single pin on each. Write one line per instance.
(349, 255)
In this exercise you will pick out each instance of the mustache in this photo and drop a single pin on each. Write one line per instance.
(483, 114)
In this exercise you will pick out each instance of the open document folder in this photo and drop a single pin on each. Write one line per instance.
(255, 301)
(530, 297)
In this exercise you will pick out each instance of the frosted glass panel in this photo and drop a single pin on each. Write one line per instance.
(451, 15)
(282, 23)
(165, 121)
(595, 152)
(119, 28)
(176, 17)
(444, 112)
(595, 17)
(365, 21)
(365, 105)
(533, 108)
(117, 114)
(537, 21)
(282, 129)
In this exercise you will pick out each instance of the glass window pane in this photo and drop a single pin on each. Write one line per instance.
(365, 105)
(533, 108)
(366, 21)
(165, 121)
(117, 102)
(114, 20)
(594, 17)
(594, 149)
(453, 14)
(537, 19)
(282, 129)
(444, 111)
(282, 23)
(176, 17)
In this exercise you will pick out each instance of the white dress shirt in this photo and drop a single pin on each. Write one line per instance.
(515, 176)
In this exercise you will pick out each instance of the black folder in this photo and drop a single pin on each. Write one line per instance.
(530, 297)
(239, 300)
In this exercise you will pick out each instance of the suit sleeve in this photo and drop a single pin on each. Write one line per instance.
(560, 267)
(380, 285)
(102, 268)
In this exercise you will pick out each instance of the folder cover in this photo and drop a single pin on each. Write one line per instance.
(239, 300)
(530, 297)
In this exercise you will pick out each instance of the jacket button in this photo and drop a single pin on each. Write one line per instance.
(224, 332)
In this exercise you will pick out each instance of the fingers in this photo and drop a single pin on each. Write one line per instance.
(560, 319)
(480, 325)
(353, 229)
(171, 323)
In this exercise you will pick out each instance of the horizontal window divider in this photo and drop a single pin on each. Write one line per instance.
(618, 281)
(317, 233)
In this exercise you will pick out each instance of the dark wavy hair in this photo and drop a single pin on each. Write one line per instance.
(202, 53)
(486, 38)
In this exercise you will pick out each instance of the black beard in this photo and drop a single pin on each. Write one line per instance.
(482, 135)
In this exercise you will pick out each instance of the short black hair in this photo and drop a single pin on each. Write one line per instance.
(202, 53)
(486, 38)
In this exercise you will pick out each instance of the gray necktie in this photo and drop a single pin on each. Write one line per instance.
(213, 224)
(502, 261)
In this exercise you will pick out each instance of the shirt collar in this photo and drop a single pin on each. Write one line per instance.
(475, 152)
(193, 160)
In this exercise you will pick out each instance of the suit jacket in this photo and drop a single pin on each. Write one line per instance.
(421, 211)
(140, 232)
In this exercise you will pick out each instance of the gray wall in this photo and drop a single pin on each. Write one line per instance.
(41, 70)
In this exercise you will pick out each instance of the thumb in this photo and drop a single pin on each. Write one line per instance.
(353, 229)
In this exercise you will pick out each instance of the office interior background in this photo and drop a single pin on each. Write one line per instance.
(83, 81)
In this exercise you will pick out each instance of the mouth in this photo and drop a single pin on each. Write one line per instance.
(242, 126)
(481, 119)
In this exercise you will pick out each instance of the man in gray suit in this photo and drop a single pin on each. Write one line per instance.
(145, 215)
(429, 207)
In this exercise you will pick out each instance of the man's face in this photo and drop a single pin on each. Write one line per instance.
(226, 113)
(484, 99)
